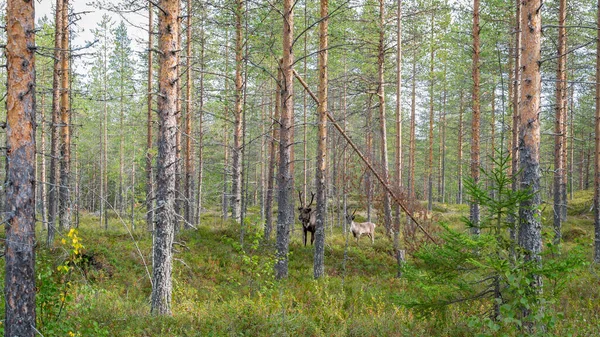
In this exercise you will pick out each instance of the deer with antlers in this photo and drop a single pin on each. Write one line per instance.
(361, 228)
(308, 218)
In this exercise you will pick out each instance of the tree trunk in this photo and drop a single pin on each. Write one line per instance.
(442, 187)
(19, 287)
(54, 136)
(167, 157)
(65, 133)
(459, 197)
(200, 126)
(321, 176)
(387, 206)
(225, 201)
(597, 151)
(412, 143)
(273, 160)
(530, 227)
(189, 164)
(178, 164)
(369, 144)
(398, 169)
(44, 208)
(149, 144)
(236, 153)
(559, 124)
(429, 187)
(475, 124)
(516, 118)
(285, 214)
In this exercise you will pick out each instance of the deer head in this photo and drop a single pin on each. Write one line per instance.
(305, 211)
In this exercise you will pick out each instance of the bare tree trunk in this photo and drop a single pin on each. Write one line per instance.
(273, 159)
(475, 124)
(321, 172)
(189, 164)
(560, 121)
(65, 133)
(178, 164)
(459, 197)
(55, 140)
(398, 169)
(19, 288)
(412, 142)
(236, 153)
(369, 143)
(442, 187)
(516, 118)
(429, 187)
(285, 214)
(167, 157)
(200, 126)
(304, 112)
(596, 151)
(530, 227)
(42, 151)
(387, 206)
(225, 201)
(149, 144)
(104, 156)
(571, 146)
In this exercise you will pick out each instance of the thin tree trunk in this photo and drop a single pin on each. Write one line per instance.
(461, 109)
(387, 205)
(19, 288)
(54, 140)
(475, 124)
(178, 164)
(273, 159)
(442, 187)
(189, 164)
(369, 143)
(65, 133)
(236, 153)
(285, 214)
(320, 176)
(398, 169)
(516, 118)
(225, 201)
(530, 227)
(167, 157)
(149, 143)
(304, 112)
(104, 157)
(200, 125)
(44, 208)
(429, 187)
(572, 146)
(597, 151)
(560, 119)
(412, 142)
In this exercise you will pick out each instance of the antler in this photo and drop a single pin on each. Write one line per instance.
(312, 197)
(300, 197)
(354, 211)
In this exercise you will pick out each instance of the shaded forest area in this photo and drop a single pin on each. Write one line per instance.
(184, 184)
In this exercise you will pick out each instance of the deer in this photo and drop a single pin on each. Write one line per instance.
(308, 218)
(360, 228)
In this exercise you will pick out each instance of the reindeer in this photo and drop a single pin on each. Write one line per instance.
(308, 218)
(361, 228)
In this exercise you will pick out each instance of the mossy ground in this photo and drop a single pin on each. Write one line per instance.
(222, 289)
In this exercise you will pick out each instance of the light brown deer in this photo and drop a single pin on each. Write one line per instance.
(361, 228)
(308, 218)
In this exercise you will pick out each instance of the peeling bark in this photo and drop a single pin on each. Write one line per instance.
(19, 286)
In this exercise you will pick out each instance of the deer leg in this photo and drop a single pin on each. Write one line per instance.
(312, 238)
(304, 230)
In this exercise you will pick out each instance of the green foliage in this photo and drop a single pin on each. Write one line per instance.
(489, 272)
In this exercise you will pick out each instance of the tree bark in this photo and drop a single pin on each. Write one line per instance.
(321, 172)
(398, 169)
(559, 124)
(387, 205)
(516, 118)
(54, 135)
(429, 187)
(285, 214)
(189, 164)
(167, 157)
(530, 227)
(412, 142)
(65, 133)
(459, 197)
(236, 153)
(273, 159)
(149, 143)
(475, 123)
(43, 190)
(597, 151)
(19, 287)
(200, 125)
(369, 145)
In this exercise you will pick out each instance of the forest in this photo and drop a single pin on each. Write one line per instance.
(296, 167)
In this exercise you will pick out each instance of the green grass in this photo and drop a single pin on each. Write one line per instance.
(220, 289)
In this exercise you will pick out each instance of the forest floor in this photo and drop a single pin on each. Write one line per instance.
(221, 288)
